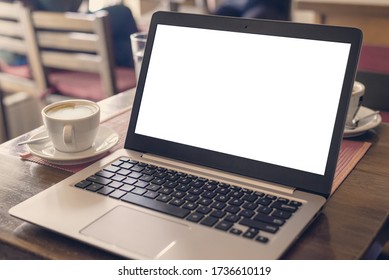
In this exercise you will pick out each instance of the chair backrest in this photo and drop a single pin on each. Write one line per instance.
(76, 42)
(17, 37)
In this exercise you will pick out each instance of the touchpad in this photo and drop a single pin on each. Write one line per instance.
(138, 232)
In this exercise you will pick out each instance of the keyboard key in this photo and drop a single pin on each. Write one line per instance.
(209, 187)
(218, 205)
(232, 209)
(183, 188)
(269, 220)
(205, 201)
(264, 210)
(251, 233)
(196, 184)
(284, 207)
(139, 191)
(141, 184)
(281, 214)
(236, 202)
(127, 188)
(123, 172)
(177, 202)
(184, 180)
(158, 181)
(272, 197)
(232, 218)
(260, 194)
(105, 190)
(209, 221)
(160, 174)
(172, 177)
(250, 197)
(130, 181)
(111, 168)
(151, 194)
(237, 194)
(135, 175)
(164, 198)
(179, 194)
(94, 187)
(99, 180)
(221, 190)
(153, 188)
(224, 225)
(218, 213)
(264, 201)
(137, 168)
(283, 200)
(170, 184)
(213, 182)
(196, 191)
(83, 184)
(190, 205)
(203, 209)
(222, 198)
(236, 231)
(195, 217)
(259, 225)
(126, 165)
(190, 176)
(148, 171)
(191, 197)
(262, 239)
(105, 174)
(250, 206)
(146, 178)
(165, 191)
(118, 178)
(246, 213)
(209, 194)
(247, 191)
(156, 205)
(117, 194)
(295, 203)
(115, 184)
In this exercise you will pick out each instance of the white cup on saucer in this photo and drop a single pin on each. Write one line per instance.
(72, 125)
(355, 103)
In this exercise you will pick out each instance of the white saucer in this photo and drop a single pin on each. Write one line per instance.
(106, 138)
(364, 125)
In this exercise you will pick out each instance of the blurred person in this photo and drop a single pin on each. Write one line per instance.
(264, 9)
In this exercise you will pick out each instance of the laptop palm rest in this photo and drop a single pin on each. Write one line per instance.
(136, 231)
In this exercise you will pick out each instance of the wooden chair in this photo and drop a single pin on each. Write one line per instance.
(76, 53)
(17, 36)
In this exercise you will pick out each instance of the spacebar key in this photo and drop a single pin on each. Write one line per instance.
(155, 205)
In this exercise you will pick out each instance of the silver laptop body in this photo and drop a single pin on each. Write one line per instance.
(257, 105)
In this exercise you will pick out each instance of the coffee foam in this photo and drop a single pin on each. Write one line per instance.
(71, 111)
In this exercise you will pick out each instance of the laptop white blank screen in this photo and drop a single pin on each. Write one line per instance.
(267, 98)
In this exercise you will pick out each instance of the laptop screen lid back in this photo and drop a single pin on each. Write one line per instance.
(262, 99)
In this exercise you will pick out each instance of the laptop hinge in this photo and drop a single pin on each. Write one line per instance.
(217, 174)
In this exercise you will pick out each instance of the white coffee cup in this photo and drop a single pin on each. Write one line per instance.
(72, 125)
(355, 102)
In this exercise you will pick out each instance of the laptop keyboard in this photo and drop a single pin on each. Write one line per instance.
(211, 203)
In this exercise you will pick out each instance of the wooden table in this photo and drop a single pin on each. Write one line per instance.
(371, 16)
(354, 223)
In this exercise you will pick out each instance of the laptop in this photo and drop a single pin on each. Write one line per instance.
(231, 147)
